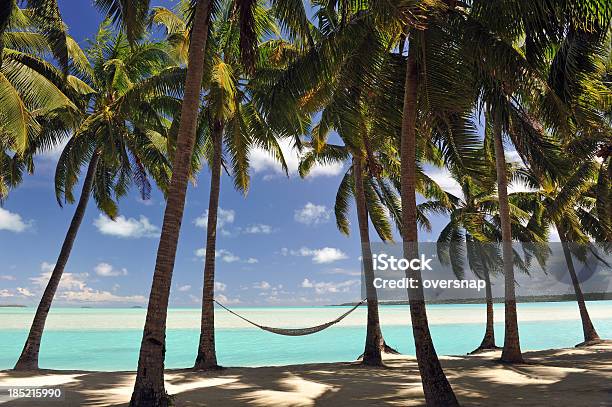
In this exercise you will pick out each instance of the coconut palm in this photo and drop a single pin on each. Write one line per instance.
(473, 232)
(446, 121)
(230, 121)
(33, 92)
(372, 183)
(116, 137)
(236, 126)
(149, 388)
(523, 98)
(433, 59)
(470, 228)
(346, 111)
(355, 106)
(362, 185)
(569, 205)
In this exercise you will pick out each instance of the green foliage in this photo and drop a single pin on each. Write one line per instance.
(130, 89)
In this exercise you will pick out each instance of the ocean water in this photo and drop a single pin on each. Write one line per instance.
(109, 339)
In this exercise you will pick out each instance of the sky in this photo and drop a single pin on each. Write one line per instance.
(278, 245)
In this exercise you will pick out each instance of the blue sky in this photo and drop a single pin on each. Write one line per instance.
(277, 246)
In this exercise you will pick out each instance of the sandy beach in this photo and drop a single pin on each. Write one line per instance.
(564, 377)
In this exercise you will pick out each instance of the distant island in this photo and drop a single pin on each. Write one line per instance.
(13, 306)
(520, 298)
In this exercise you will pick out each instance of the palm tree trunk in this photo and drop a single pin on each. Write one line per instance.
(488, 341)
(588, 329)
(437, 389)
(149, 390)
(374, 343)
(207, 356)
(511, 352)
(29, 355)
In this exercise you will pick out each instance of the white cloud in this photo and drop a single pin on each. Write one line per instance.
(7, 277)
(342, 271)
(90, 295)
(312, 214)
(225, 256)
(224, 217)
(513, 157)
(73, 288)
(69, 281)
(262, 285)
(55, 152)
(184, 288)
(445, 180)
(319, 256)
(47, 267)
(12, 222)
(107, 270)
(25, 292)
(227, 301)
(327, 255)
(5, 294)
(219, 286)
(126, 228)
(258, 229)
(329, 287)
(262, 162)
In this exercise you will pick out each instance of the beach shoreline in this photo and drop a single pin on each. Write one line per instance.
(570, 376)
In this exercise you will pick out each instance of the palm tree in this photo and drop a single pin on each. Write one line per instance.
(229, 120)
(473, 227)
(470, 228)
(33, 92)
(149, 387)
(569, 205)
(347, 111)
(444, 116)
(362, 186)
(524, 93)
(112, 137)
(235, 125)
(373, 173)
(428, 64)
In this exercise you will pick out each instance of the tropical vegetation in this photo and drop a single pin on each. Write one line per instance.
(386, 89)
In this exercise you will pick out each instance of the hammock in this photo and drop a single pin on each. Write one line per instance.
(294, 332)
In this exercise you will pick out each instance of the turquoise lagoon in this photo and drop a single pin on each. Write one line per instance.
(108, 339)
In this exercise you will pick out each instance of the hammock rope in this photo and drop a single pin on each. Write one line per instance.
(296, 331)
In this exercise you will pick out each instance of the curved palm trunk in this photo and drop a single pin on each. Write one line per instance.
(149, 390)
(511, 352)
(29, 355)
(374, 343)
(437, 389)
(207, 356)
(488, 341)
(588, 329)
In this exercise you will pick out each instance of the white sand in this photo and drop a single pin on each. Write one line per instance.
(562, 377)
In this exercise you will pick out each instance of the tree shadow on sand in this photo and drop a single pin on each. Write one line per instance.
(581, 377)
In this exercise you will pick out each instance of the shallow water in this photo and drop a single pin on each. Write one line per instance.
(108, 339)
